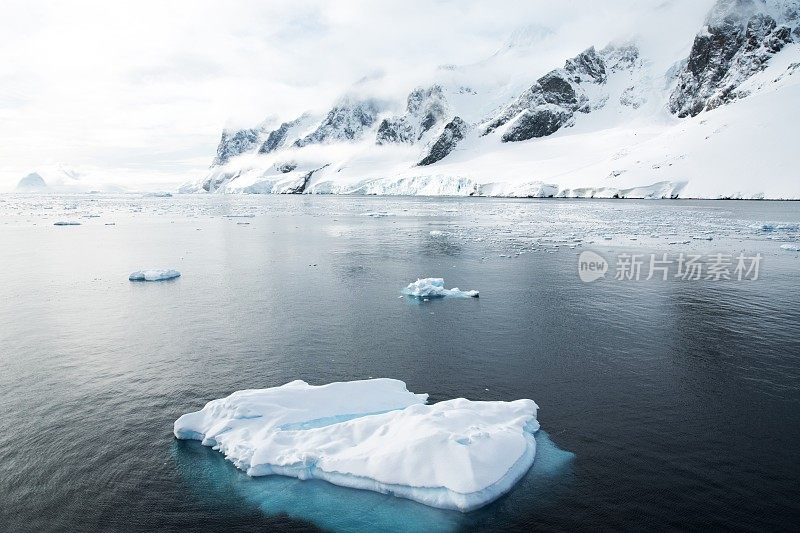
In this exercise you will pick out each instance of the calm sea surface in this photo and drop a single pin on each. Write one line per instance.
(663, 404)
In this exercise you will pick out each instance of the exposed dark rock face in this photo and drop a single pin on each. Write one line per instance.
(286, 167)
(537, 123)
(347, 121)
(550, 103)
(303, 185)
(277, 137)
(620, 57)
(586, 66)
(737, 42)
(233, 143)
(394, 130)
(425, 109)
(259, 139)
(453, 133)
(287, 131)
(217, 179)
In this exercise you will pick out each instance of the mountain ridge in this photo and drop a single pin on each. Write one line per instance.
(589, 115)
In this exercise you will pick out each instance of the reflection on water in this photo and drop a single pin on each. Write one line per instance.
(679, 399)
(211, 478)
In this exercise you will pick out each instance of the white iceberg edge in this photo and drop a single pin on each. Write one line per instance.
(457, 454)
(154, 275)
(439, 497)
(434, 288)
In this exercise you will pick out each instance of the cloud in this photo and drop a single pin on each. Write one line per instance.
(147, 84)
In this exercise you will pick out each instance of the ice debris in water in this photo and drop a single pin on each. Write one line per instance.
(376, 435)
(791, 247)
(434, 288)
(66, 223)
(769, 228)
(154, 275)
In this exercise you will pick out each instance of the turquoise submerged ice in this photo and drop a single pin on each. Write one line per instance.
(434, 288)
(375, 435)
(154, 275)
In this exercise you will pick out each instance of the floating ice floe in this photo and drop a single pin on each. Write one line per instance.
(791, 247)
(66, 223)
(434, 288)
(769, 228)
(154, 275)
(375, 435)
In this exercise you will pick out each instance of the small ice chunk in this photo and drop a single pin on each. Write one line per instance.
(791, 247)
(375, 435)
(154, 274)
(434, 288)
(66, 223)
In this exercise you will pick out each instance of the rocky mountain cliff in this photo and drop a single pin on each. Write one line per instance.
(553, 100)
(738, 40)
(436, 143)
(426, 108)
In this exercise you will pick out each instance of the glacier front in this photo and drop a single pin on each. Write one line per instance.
(376, 435)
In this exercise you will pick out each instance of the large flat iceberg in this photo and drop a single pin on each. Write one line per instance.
(154, 275)
(434, 288)
(376, 435)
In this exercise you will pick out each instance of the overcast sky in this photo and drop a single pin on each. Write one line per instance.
(141, 89)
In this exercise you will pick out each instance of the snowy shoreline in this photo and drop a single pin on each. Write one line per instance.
(362, 195)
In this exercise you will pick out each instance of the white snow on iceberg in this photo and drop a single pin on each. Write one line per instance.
(375, 435)
(154, 275)
(434, 288)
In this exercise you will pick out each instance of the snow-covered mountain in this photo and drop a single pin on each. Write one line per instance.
(54, 178)
(32, 182)
(59, 178)
(611, 122)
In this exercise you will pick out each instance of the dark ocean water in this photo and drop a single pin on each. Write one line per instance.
(663, 404)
